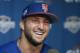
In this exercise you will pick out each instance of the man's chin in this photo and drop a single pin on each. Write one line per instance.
(33, 41)
(36, 43)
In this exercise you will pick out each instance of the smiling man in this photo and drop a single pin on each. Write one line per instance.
(35, 24)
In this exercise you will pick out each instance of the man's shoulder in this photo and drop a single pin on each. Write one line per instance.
(46, 48)
(9, 47)
(46, 45)
(50, 49)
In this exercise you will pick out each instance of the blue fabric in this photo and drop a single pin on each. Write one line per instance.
(12, 48)
(39, 9)
(35, 8)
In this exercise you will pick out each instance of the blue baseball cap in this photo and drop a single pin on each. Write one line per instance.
(39, 9)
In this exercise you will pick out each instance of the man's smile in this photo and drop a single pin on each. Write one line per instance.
(39, 32)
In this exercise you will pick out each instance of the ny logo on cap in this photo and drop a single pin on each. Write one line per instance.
(45, 7)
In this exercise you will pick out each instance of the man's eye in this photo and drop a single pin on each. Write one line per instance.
(34, 19)
(46, 22)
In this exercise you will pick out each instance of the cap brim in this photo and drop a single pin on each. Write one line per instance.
(52, 17)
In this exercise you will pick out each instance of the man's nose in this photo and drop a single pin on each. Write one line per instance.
(41, 25)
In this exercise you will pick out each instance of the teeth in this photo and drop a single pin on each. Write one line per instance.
(39, 33)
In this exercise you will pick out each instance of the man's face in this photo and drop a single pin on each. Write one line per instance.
(36, 29)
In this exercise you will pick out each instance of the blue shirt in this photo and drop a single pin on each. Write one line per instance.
(13, 48)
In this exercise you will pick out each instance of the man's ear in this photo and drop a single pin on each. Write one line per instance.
(22, 25)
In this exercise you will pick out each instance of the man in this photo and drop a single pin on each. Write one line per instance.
(35, 24)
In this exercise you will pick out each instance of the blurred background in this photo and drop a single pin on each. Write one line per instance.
(64, 37)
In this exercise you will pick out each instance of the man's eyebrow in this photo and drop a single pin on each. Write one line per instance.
(35, 17)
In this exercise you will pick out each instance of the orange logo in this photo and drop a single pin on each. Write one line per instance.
(45, 7)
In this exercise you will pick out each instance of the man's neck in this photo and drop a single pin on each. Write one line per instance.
(27, 47)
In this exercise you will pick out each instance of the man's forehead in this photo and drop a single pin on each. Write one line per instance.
(38, 17)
